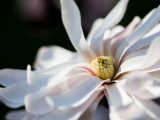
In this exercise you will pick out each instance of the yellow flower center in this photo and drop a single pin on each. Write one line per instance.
(104, 67)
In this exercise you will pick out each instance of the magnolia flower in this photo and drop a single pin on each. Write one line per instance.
(121, 64)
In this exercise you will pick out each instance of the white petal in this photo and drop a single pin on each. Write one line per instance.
(38, 103)
(138, 34)
(142, 85)
(13, 96)
(132, 62)
(43, 101)
(72, 24)
(109, 21)
(114, 93)
(94, 27)
(116, 30)
(71, 113)
(43, 77)
(119, 38)
(108, 39)
(138, 110)
(51, 56)
(146, 40)
(77, 96)
(36, 78)
(12, 76)
(113, 18)
(150, 108)
(153, 56)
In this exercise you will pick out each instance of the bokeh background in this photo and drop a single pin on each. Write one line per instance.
(27, 25)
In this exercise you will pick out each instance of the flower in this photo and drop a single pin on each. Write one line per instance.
(121, 64)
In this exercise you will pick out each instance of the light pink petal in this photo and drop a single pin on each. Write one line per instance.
(143, 29)
(132, 62)
(73, 72)
(48, 76)
(12, 76)
(53, 55)
(113, 18)
(72, 23)
(41, 102)
(69, 92)
(71, 113)
(79, 94)
(142, 85)
(115, 92)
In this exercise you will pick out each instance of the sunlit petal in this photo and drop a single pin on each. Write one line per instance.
(109, 21)
(72, 23)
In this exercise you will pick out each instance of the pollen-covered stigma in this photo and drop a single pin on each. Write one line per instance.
(104, 67)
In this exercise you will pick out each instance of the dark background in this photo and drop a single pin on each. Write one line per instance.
(21, 36)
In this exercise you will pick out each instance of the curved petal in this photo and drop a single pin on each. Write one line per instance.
(108, 39)
(35, 78)
(144, 28)
(58, 89)
(38, 103)
(13, 96)
(153, 56)
(48, 57)
(77, 96)
(113, 18)
(138, 110)
(12, 76)
(72, 24)
(41, 102)
(142, 85)
(150, 108)
(117, 39)
(115, 92)
(71, 113)
(147, 40)
(132, 62)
